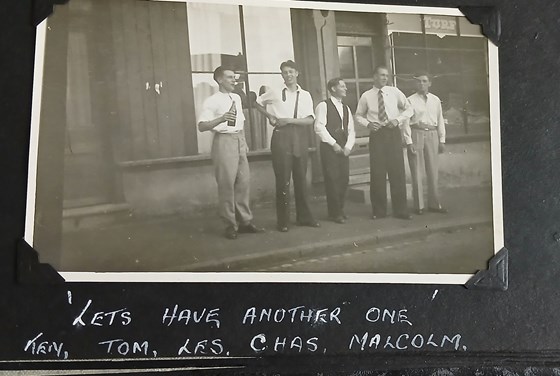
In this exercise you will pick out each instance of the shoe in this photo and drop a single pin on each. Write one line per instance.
(403, 216)
(374, 216)
(283, 228)
(231, 233)
(419, 211)
(250, 228)
(339, 220)
(438, 210)
(344, 216)
(309, 224)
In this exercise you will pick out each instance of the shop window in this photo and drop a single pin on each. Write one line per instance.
(458, 65)
(235, 36)
(357, 61)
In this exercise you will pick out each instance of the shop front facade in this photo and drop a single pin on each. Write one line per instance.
(135, 74)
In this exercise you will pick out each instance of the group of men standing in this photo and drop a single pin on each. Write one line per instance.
(391, 117)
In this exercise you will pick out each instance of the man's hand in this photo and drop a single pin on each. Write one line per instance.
(441, 148)
(393, 123)
(410, 148)
(282, 122)
(347, 151)
(273, 120)
(229, 116)
(337, 148)
(374, 126)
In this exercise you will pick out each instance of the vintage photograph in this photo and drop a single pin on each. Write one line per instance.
(292, 141)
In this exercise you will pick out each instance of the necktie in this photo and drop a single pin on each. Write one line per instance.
(381, 114)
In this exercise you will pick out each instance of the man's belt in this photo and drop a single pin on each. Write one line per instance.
(423, 127)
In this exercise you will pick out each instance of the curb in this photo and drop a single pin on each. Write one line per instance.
(242, 262)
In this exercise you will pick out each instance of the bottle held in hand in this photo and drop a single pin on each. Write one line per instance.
(233, 111)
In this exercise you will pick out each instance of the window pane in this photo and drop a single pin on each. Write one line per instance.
(409, 61)
(474, 63)
(351, 96)
(346, 61)
(408, 40)
(448, 41)
(215, 36)
(406, 84)
(474, 43)
(364, 55)
(203, 87)
(444, 62)
(268, 38)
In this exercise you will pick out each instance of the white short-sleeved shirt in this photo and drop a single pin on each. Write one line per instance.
(281, 102)
(218, 104)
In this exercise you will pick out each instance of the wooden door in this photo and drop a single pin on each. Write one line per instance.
(129, 93)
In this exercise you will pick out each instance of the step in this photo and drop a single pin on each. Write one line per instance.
(359, 161)
(359, 178)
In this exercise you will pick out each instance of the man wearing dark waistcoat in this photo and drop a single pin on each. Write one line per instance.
(335, 127)
(290, 111)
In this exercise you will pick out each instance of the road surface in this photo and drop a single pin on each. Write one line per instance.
(460, 251)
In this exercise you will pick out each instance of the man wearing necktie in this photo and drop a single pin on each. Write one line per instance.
(384, 110)
(335, 127)
(425, 139)
(290, 112)
(222, 114)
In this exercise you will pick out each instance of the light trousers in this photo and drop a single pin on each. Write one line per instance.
(229, 156)
(426, 144)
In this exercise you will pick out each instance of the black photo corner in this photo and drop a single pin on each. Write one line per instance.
(503, 321)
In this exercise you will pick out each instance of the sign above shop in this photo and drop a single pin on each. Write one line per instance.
(440, 25)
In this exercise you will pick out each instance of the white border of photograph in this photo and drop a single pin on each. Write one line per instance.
(408, 278)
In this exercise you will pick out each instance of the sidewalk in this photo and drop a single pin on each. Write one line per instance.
(197, 244)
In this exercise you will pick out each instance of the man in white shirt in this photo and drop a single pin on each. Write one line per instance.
(383, 110)
(425, 139)
(222, 114)
(335, 126)
(290, 112)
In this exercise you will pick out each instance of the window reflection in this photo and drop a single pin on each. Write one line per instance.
(260, 33)
(346, 61)
(203, 87)
(364, 57)
(221, 44)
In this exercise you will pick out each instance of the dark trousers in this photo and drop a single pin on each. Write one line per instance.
(386, 158)
(336, 171)
(286, 165)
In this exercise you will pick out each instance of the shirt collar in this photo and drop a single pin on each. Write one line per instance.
(428, 95)
(336, 100)
(284, 87)
(376, 90)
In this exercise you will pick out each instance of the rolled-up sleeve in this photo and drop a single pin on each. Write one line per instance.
(208, 112)
(361, 111)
